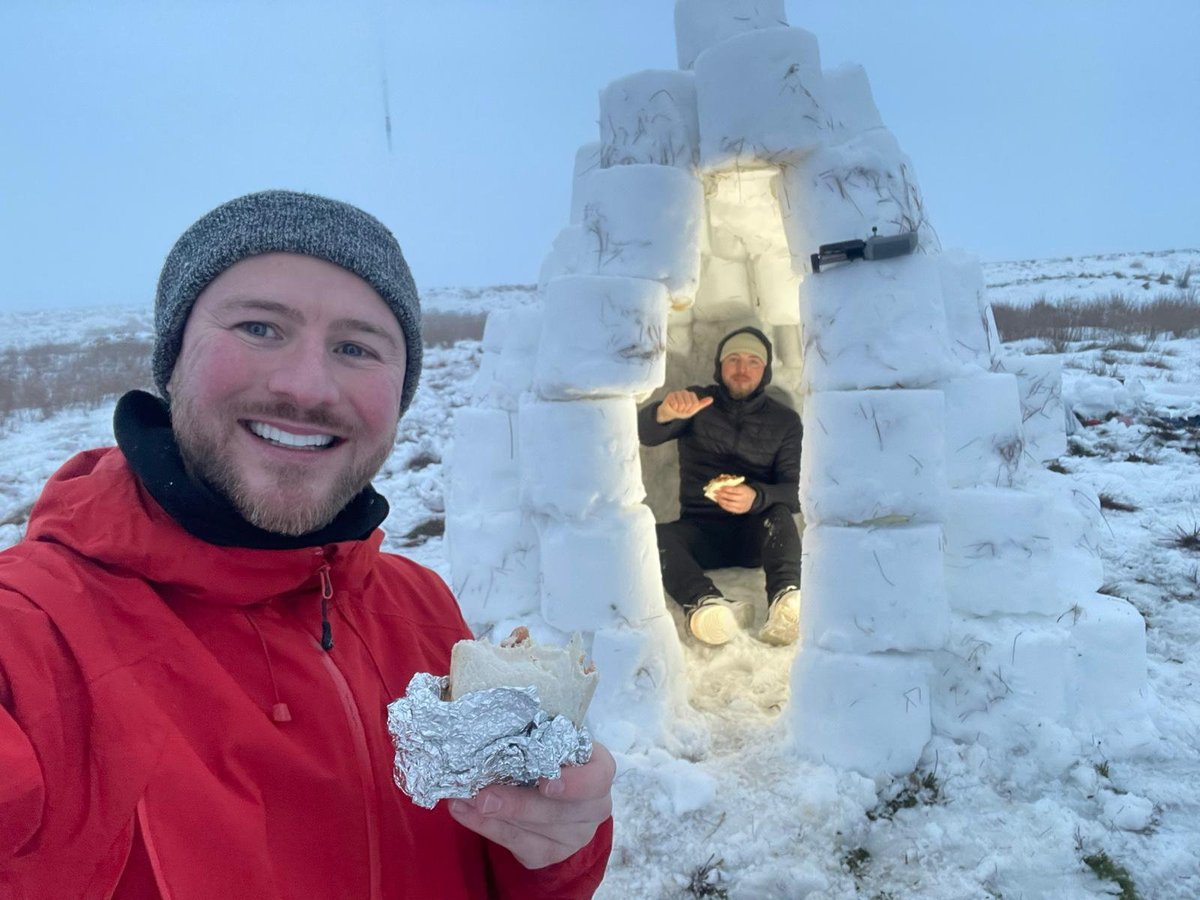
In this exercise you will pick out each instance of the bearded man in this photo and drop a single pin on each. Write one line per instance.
(739, 487)
(200, 635)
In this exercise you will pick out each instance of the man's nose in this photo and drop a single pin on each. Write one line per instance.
(303, 372)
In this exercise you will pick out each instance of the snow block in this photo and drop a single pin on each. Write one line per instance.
(569, 254)
(601, 572)
(1040, 381)
(871, 456)
(508, 374)
(1108, 637)
(868, 590)
(601, 337)
(494, 562)
(743, 213)
(642, 687)
(587, 160)
(724, 291)
(786, 344)
(495, 330)
(869, 713)
(776, 288)
(846, 94)
(842, 192)
(1001, 553)
(1011, 670)
(874, 325)
(679, 336)
(984, 441)
(1076, 520)
(579, 456)
(650, 117)
(483, 472)
(700, 24)
(756, 95)
(966, 306)
(642, 221)
(994, 344)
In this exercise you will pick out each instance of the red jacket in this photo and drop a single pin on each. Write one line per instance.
(170, 727)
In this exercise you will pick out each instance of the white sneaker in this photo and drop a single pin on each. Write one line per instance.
(716, 620)
(783, 619)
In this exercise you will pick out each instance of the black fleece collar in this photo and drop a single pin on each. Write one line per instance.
(142, 424)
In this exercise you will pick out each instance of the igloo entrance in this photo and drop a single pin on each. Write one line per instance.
(949, 580)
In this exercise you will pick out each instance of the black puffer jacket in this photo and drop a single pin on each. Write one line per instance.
(757, 437)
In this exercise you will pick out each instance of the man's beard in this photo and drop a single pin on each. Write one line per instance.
(206, 458)
(738, 393)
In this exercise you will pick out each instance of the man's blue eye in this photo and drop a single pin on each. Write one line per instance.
(354, 350)
(257, 329)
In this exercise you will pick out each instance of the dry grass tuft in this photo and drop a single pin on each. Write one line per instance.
(1107, 501)
(1184, 538)
(708, 880)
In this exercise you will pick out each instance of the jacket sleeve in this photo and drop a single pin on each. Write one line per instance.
(651, 433)
(575, 878)
(785, 488)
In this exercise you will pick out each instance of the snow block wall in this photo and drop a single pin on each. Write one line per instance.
(949, 580)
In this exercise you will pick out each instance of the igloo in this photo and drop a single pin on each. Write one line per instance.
(949, 580)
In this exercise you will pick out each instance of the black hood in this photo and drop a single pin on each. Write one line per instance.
(766, 379)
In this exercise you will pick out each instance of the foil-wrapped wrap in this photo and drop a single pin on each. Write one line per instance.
(455, 748)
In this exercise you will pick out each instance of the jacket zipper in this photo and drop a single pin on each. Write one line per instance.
(358, 734)
(326, 596)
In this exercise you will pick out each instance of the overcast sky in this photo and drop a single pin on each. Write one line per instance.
(1036, 128)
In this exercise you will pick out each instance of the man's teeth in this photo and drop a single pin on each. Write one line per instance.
(287, 439)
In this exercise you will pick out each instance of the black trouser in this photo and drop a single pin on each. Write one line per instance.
(689, 546)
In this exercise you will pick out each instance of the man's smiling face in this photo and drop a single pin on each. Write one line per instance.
(286, 394)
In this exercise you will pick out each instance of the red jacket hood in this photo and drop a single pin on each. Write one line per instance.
(76, 510)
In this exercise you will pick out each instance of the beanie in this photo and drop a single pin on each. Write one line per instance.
(744, 342)
(287, 222)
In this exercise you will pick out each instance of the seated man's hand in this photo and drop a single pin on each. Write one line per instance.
(737, 498)
(680, 405)
(545, 824)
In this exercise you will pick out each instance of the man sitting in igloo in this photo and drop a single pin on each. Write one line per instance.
(731, 428)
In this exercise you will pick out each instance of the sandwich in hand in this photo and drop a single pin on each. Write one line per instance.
(563, 678)
(507, 713)
(715, 484)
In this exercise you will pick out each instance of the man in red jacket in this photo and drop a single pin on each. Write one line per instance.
(199, 635)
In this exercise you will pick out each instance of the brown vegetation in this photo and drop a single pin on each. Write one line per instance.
(48, 377)
(45, 378)
(447, 329)
(1075, 320)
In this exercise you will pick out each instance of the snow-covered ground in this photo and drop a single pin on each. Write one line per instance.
(742, 818)
(1139, 277)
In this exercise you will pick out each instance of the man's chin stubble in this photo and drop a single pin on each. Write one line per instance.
(204, 462)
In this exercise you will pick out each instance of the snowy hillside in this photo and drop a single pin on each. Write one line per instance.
(740, 818)
(1140, 277)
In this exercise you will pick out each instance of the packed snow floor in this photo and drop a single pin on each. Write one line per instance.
(742, 818)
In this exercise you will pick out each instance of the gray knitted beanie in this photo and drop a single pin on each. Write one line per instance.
(283, 221)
